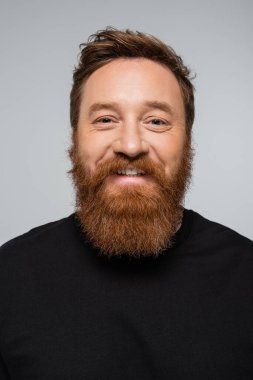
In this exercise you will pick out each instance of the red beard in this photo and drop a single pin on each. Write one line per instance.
(136, 220)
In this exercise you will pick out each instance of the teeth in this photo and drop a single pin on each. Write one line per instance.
(130, 172)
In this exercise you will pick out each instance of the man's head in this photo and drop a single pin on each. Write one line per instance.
(132, 109)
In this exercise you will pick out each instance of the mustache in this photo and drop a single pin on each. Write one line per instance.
(111, 166)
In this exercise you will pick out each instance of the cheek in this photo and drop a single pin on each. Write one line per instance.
(85, 149)
(92, 149)
(88, 155)
(170, 153)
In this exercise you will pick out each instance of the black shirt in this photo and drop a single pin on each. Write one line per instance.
(67, 312)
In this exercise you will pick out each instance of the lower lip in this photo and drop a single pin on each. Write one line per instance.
(131, 180)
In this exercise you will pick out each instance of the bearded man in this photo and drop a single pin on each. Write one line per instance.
(132, 285)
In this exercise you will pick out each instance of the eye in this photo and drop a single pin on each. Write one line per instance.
(104, 120)
(157, 122)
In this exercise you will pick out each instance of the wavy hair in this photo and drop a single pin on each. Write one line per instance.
(109, 44)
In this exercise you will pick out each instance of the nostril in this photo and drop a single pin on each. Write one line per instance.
(129, 147)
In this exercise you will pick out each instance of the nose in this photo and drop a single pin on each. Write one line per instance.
(130, 141)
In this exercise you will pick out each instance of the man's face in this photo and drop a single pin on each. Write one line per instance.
(131, 157)
(132, 107)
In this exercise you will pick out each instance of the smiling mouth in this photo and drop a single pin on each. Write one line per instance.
(130, 172)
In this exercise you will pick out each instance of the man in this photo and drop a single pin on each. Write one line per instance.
(132, 285)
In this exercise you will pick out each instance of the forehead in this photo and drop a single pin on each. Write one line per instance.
(132, 81)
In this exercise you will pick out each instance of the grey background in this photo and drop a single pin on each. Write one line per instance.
(39, 46)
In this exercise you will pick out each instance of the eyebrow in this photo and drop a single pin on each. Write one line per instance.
(163, 106)
(98, 106)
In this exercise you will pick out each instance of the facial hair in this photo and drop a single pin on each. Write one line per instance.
(138, 220)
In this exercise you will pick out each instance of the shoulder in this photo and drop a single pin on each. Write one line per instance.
(213, 242)
(33, 261)
(205, 229)
(37, 239)
(38, 256)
